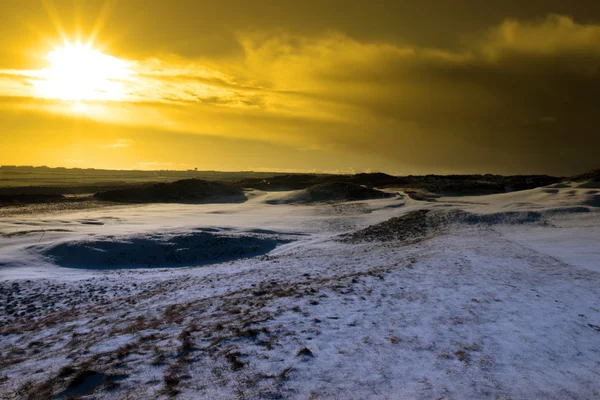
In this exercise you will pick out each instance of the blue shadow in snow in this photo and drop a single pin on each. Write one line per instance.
(158, 251)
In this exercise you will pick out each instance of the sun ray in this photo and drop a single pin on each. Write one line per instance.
(101, 20)
(53, 15)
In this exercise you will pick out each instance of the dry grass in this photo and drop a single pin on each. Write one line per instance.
(232, 319)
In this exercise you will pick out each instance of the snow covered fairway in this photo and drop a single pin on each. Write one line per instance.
(491, 297)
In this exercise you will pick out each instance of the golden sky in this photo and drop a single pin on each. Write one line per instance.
(404, 87)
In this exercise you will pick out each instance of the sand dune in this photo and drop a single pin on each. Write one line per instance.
(331, 192)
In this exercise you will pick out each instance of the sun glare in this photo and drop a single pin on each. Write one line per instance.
(77, 72)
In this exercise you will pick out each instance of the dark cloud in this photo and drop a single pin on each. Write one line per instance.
(207, 28)
(522, 98)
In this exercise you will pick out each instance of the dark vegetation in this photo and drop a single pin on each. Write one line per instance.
(286, 182)
(413, 225)
(187, 190)
(425, 223)
(36, 203)
(72, 189)
(343, 191)
(441, 184)
(29, 198)
(593, 175)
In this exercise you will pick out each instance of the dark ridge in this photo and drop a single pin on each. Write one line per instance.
(333, 192)
(70, 189)
(342, 191)
(376, 179)
(62, 181)
(423, 223)
(593, 175)
(286, 182)
(435, 184)
(410, 226)
(27, 198)
(183, 191)
(473, 184)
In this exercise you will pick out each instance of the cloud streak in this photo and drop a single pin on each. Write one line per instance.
(119, 144)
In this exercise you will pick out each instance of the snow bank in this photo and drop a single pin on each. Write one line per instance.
(565, 194)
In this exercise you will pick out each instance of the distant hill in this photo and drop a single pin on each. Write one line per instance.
(442, 184)
(135, 185)
(593, 175)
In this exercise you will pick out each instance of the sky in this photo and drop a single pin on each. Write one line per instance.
(403, 87)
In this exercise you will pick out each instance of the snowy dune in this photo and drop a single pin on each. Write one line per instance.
(494, 297)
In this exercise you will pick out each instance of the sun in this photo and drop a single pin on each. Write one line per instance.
(77, 72)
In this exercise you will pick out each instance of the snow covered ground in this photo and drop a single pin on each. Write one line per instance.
(266, 301)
